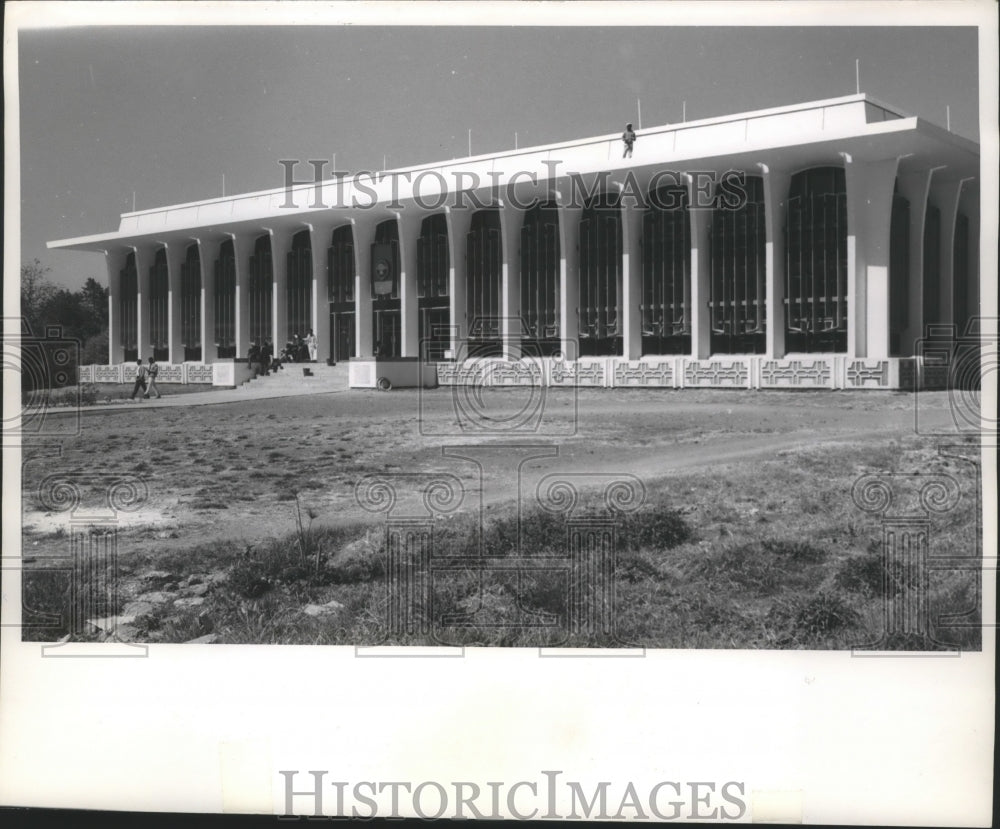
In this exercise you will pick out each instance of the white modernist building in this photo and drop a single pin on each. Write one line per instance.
(822, 244)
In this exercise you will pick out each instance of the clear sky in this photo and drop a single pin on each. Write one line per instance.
(165, 112)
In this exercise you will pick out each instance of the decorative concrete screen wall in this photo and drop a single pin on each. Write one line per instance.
(218, 374)
(819, 372)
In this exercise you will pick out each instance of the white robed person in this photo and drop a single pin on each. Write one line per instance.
(311, 345)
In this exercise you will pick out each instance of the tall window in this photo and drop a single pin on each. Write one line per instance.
(260, 287)
(600, 310)
(191, 304)
(666, 273)
(960, 270)
(484, 260)
(298, 288)
(159, 286)
(932, 267)
(739, 268)
(225, 301)
(128, 307)
(540, 279)
(386, 316)
(899, 271)
(340, 292)
(432, 287)
(816, 271)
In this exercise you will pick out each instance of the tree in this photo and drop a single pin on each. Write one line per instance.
(95, 300)
(36, 293)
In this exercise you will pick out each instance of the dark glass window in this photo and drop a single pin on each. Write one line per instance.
(932, 267)
(540, 280)
(260, 286)
(191, 304)
(816, 271)
(666, 273)
(484, 260)
(159, 286)
(225, 301)
(600, 310)
(128, 306)
(298, 288)
(739, 269)
(432, 287)
(960, 269)
(385, 270)
(340, 274)
(899, 271)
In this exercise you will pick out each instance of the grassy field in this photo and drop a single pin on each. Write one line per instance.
(748, 536)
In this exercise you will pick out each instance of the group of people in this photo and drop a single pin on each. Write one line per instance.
(145, 374)
(262, 359)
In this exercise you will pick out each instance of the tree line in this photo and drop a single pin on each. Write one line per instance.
(81, 317)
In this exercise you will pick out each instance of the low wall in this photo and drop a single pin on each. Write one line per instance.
(812, 371)
(226, 373)
(398, 372)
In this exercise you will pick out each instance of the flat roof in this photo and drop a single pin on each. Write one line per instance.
(860, 120)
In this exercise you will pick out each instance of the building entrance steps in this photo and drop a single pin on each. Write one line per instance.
(301, 378)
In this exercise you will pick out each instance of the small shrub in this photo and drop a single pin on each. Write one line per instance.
(658, 528)
(249, 579)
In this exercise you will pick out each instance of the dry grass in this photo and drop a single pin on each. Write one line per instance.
(764, 555)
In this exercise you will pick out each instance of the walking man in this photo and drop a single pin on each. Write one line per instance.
(152, 371)
(140, 381)
(628, 138)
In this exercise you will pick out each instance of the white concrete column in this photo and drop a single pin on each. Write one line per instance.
(914, 186)
(320, 237)
(208, 252)
(869, 217)
(363, 231)
(631, 214)
(511, 219)
(459, 221)
(281, 244)
(569, 274)
(408, 223)
(176, 252)
(701, 275)
(946, 191)
(776, 186)
(145, 256)
(242, 251)
(115, 261)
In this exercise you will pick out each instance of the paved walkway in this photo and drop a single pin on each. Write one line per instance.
(263, 388)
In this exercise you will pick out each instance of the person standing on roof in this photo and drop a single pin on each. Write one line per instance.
(628, 138)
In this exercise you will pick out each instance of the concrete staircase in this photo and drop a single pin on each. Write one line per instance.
(291, 379)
